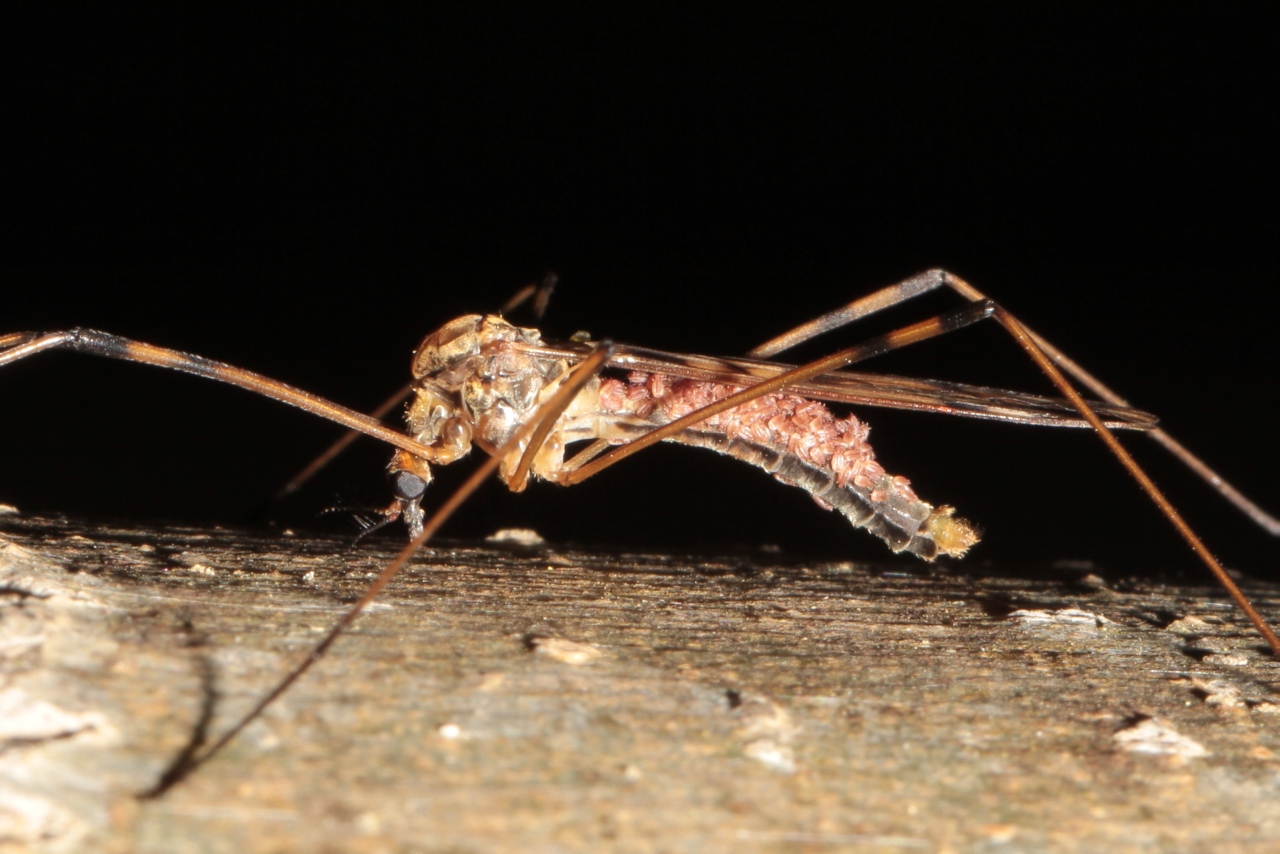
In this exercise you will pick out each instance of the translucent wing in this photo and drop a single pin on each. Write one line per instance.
(865, 389)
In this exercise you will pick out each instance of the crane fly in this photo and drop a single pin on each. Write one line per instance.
(480, 380)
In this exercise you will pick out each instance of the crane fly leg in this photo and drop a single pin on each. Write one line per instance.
(1053, 362)
(546, 415)
(932, 280)
(577, 472)
(1046, 364)
(21, 345)
(1242, 502)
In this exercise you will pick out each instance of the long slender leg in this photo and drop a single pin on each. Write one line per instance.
(933, 280)
(1045, 362)
(1266, 520)
(578, 469)
(21, 345)
(547, 414)
(862, 307)
(888, 297)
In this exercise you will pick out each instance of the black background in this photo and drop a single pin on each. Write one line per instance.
(307, 195)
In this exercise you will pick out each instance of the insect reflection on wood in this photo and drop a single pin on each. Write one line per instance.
(481, 380)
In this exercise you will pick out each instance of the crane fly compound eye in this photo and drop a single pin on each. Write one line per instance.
(407, 486)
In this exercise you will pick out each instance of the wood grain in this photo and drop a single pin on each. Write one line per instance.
(546, 699)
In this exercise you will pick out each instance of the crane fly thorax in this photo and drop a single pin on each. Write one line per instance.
(472, 369)
(476, 382)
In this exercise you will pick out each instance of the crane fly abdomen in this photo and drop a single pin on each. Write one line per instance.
(801, 443)
(479, 378)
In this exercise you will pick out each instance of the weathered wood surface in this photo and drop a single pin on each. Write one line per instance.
(717, 704)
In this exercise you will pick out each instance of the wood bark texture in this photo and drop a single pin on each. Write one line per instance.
(547, 699)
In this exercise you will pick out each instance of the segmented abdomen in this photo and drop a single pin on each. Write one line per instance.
(802, 443)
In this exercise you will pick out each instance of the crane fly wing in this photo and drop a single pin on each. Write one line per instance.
(968, 400)
(865, 389)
